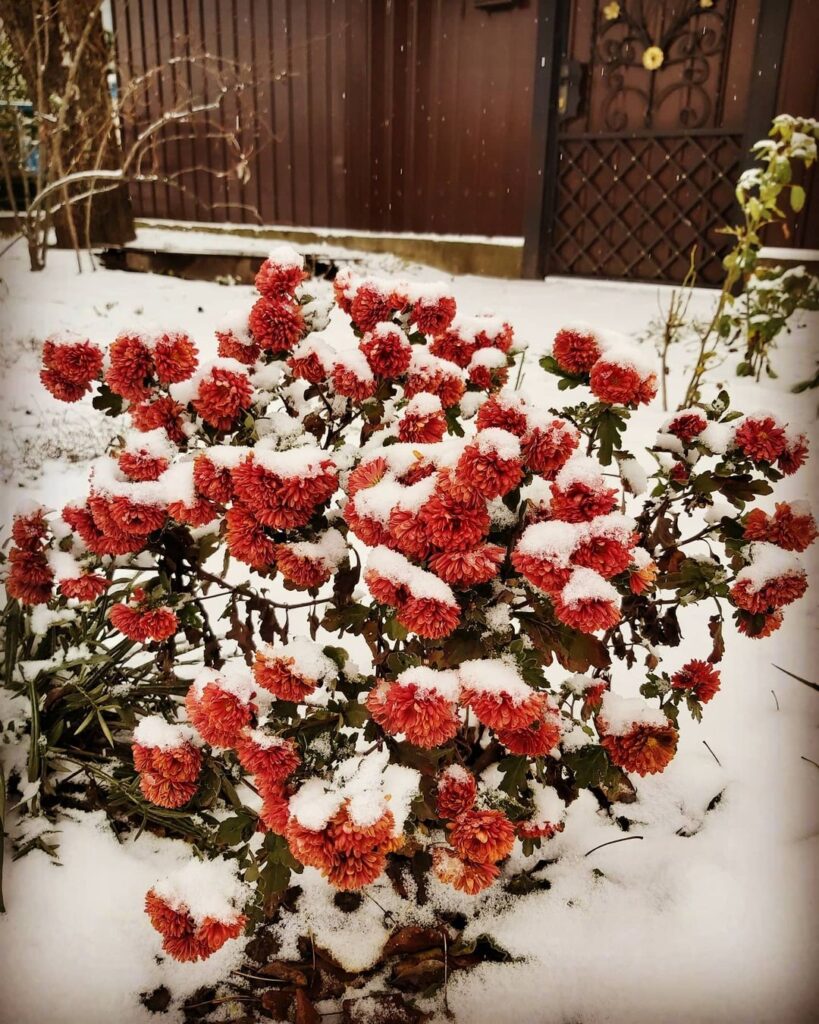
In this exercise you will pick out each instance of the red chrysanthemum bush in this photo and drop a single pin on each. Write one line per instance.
(489, 558)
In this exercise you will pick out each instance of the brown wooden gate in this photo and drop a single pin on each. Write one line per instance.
(650, 136)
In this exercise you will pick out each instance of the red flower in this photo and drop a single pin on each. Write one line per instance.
(580, 502)
(222, 396)
(422, 423)
(465, 569)
(277, 326)
(545, 573)
(164, 918)
(343, 289)
(761, 438)
(491, 464)
(587, 616)
(433, 314)
(546, 449)
(246, 538)
(408, 534)
(687, 425)
(621, 384)
(30, 578)
(301, 570)
(456, 792)
(277, 280)
(451, 346)
(175, 357)
(278, 674)
(69, 367)
(758, 626)
(448, 386)
(576, 349)
(213, 934)
(77, 361)
(135, 519)
(182, 938)
(275, 810)
(464, 875)
(268, 757)
(131, 368)
(774, 593)
(87, 587)
(645, 749)
(699, 677)
(165, 792)
(218, 715)
(144, 624)
(482, 837)
(62, 389)
(506, 412)
(488, 376)
(200, 513)
(501, 710)
(181, 763)
(791, 527)
(214, 482)
(141, 466)
(367, 474)
(794, 456)
(349, 855)
(243, 350)
(452, 524)
(369, 530)
(421, 713)
(370, 306)
(163, 412)
(607, 555)
(539, 829)
(29, 531)
(537, 739)
(428, 617)
(387, 350)
(349, 382)
(642, 575)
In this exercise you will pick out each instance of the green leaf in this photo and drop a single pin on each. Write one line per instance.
(797, 198)
(514, 771)
(106, 401)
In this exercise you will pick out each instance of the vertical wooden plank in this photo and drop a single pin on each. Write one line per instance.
(282, 106)
(202, 183)
(319, 154)
(770, 46)
(168, 154)
(247, 25)
(540, 181)
(338, 103)
(302, 112)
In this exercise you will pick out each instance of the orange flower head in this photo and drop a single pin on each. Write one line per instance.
(456, 794)
(576, 349)
(483, 837)
(464, 875)
(701, 678)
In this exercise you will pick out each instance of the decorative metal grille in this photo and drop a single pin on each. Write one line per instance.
(646, 166)
(633, 207)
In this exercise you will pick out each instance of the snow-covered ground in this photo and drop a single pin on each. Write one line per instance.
(717, 924)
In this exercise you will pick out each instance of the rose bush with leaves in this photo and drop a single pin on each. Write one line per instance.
(472, 554)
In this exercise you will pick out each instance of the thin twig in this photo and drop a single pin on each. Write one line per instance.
(611, 842)
(711, 752)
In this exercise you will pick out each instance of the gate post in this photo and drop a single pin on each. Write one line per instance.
(541, 175)
(767, 65)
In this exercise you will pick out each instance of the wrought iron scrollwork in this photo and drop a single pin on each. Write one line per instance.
(657, 49)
